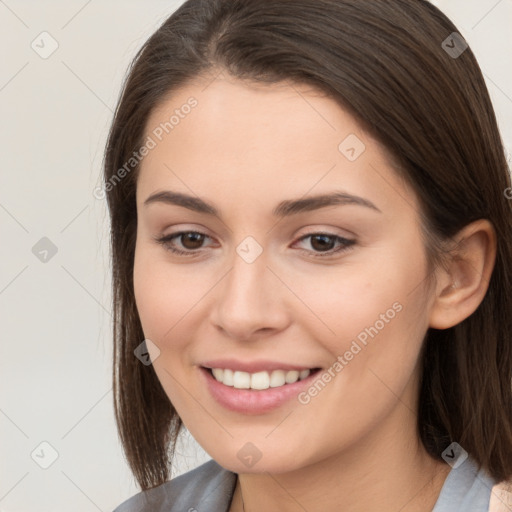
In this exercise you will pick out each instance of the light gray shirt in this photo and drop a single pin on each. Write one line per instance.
(210, 488)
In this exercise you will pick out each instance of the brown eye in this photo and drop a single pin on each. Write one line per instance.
(326, 244)
(191, 240)
(323, 242)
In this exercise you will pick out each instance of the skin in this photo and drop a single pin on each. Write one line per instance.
(244, 148)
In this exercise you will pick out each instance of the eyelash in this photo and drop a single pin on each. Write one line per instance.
(346, 244)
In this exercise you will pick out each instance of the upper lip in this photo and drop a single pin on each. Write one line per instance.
(253, 366)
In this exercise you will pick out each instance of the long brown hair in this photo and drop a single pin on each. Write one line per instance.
(389, 65)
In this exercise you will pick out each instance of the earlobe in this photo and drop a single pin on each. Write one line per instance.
(462, 285)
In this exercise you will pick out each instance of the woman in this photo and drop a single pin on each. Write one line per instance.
(312, 261)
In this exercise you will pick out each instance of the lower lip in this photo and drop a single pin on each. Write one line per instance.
(253, 401)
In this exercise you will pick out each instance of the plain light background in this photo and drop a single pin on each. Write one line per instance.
(56, 348)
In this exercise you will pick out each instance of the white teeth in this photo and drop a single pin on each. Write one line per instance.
(258, 380)
(292, 376)
(303, 374)
(277, 378)
(227, 378)
(218, 373)
(241, 380)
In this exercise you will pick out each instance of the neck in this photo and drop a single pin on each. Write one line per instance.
(387, 474)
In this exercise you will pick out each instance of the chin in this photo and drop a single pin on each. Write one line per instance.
(271, 464)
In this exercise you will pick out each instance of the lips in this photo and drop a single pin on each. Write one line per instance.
(255, 387)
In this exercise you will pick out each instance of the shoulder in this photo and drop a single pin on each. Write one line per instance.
(207, 487)
(501, 497)
(467, 488)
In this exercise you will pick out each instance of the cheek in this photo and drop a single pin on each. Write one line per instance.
(168, 297)
(342, 303)
(158, 303)
(371, 313)
(163, 300)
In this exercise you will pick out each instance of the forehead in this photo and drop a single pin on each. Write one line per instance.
(216, 134)
(246, 114)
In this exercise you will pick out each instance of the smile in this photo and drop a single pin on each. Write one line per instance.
(256, 392)
(259, 380)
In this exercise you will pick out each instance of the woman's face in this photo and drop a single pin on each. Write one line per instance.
(278, 281)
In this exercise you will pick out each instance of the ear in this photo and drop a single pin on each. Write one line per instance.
(463, 283)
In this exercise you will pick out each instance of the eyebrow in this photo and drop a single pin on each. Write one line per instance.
(283, 209)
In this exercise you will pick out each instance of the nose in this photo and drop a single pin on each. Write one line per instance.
(251, 301)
